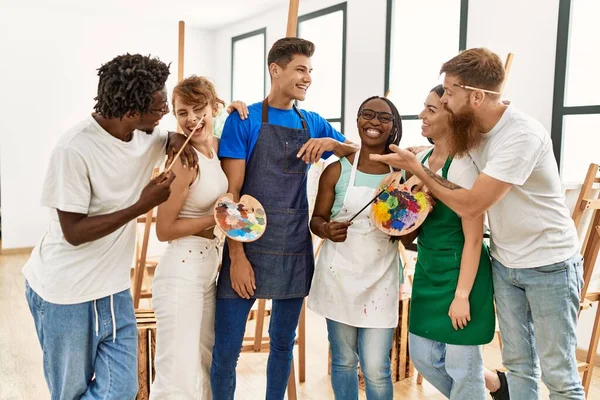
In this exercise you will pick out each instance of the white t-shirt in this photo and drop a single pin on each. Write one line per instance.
(91, 172)
(530, 226)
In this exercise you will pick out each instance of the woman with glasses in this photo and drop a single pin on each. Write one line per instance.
(184, 286)
(356, 281)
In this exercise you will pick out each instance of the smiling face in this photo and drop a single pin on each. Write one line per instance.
(294, 79)
(435, 118)
(188, 116)
(194, 97)
(375, 123)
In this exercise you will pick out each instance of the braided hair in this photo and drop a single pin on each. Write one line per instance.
(126, 84)
(396, 133)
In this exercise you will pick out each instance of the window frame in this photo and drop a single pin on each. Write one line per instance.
(559, 110)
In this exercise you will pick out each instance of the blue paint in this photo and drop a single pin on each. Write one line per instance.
(398, 225)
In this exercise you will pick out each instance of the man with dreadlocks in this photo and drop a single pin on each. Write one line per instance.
(96, 185)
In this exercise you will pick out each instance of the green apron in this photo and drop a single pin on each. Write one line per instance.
(440, 246)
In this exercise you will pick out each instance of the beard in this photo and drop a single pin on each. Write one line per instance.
(465, 131)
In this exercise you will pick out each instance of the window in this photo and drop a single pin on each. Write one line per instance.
(419, 39)
(248, 60)
(576, 109)
(327, 30)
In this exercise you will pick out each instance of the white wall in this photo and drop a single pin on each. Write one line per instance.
(49, 63)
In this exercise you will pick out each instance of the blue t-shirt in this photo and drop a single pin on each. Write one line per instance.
(239, 136)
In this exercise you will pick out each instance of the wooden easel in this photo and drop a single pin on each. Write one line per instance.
(142, 264)
(589, 249)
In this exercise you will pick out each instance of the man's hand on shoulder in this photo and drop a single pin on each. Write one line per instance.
(188, 156)
(313, 150)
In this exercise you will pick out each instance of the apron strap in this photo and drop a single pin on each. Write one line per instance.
(446, 166)
(304, 126)
(354, 169)
(426, 156)
(265, 114)
(265, 111)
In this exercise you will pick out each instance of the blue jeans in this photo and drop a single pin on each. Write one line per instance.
(77, 344)
(537, 314)
(372, 347)
(230, 324)
(456, 371)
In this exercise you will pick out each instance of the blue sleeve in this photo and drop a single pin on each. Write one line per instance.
(234, 141)
(321, 128)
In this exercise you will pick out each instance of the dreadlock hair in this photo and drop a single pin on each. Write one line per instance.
(439, 90)
(396, 133)
(127, 83)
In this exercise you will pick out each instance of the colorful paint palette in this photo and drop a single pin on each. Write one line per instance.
(243, 221)
(397, 211)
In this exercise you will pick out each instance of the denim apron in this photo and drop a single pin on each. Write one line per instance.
(440, 245)
(282, 259)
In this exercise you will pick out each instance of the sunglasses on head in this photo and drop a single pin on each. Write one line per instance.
(382, 116)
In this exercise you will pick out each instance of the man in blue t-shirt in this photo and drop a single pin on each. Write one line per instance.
(266, 156)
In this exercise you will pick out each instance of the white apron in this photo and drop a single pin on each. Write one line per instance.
(356, 282)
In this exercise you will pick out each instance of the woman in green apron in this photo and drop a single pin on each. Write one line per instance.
(452, 309)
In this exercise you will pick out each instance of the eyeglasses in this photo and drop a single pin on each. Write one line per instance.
(163, 110)
(382, 116)
(475, 88)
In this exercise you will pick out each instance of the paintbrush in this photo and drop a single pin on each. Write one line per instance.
(374, 198)
(185, 143)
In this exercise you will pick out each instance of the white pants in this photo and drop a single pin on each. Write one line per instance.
(183, 296)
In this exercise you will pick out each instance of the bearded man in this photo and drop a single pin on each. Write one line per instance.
(536, 264)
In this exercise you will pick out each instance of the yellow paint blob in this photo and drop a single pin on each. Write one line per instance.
(380, 211)
(421, 200)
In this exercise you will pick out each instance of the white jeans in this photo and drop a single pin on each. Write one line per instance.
(183, 296)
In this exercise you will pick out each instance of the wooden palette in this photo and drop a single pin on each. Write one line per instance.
(244, 221)
(397, 211)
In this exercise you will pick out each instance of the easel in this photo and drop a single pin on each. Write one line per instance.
(142, 264)
(589, 249)
(258, 342)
